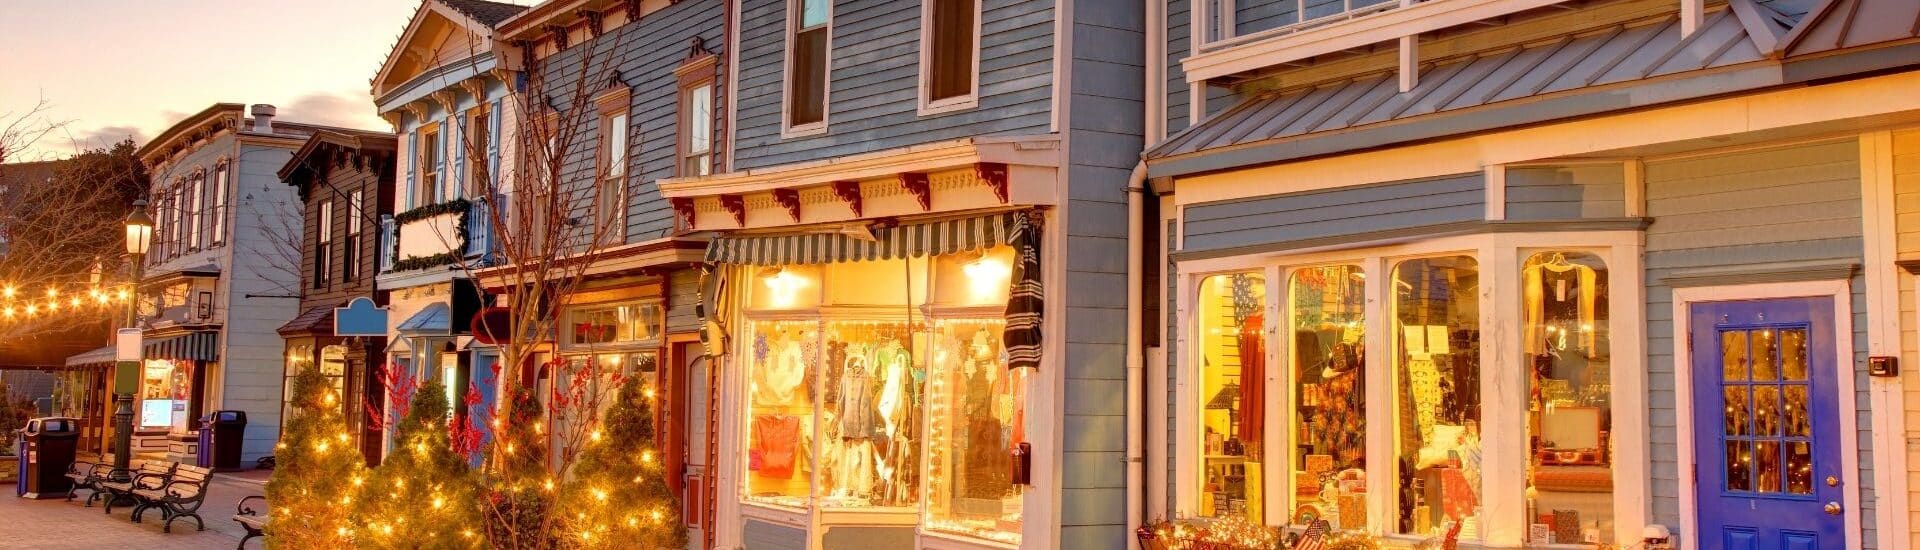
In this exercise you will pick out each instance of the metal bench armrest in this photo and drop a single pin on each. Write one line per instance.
(244, 510)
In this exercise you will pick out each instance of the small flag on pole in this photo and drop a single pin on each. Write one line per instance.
(1315, 538)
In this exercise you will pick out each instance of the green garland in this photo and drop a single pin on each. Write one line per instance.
(455, 206)
(411, 263)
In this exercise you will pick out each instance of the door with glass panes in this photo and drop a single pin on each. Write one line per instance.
(1766, 424)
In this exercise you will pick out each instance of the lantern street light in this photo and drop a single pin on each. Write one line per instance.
(126, 370)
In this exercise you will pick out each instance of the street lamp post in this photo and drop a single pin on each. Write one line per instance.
(126, 373)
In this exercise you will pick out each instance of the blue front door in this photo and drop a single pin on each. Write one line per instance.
(1766, 424)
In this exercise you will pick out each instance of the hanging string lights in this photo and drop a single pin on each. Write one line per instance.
(20, 305)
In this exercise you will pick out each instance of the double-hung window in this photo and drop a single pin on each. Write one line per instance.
(323, 246)
(696, 117)
(355, 229)
(217, 224)
(809, 26)
(610, 190)
(429, 166)
(192, 208)
(479, 142)
(949, 55)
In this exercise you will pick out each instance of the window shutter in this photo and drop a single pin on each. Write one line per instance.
(413, 166)
(493, 143)
(459, 143)
(440, 160)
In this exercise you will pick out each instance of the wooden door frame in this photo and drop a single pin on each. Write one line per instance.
(1841, 291)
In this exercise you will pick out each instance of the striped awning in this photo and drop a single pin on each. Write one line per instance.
(193, 346)
(905, 241)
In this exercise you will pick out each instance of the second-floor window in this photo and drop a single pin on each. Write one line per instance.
(323, 246)
(949, 54)
(430, 154)
(195, 193)
(696, 126)
(217, 218)
(480, 143)
(609, 195)
(355, 228)
(809, 26)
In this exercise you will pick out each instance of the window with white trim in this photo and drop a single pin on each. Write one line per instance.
(430, 154)
(809, 33)
(949, 55)
(217, 224)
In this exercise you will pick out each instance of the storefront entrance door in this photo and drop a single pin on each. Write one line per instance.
(1766, 424)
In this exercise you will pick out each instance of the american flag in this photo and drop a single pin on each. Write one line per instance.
(1315, 538)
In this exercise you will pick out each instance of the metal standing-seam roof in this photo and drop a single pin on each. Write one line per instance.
(1621, 53)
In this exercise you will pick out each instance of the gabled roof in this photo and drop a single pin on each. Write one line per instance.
(298, 167)
(475, 17)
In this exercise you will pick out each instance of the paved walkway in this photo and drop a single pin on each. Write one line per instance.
(56, 524)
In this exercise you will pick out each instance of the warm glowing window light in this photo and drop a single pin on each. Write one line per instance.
(986, 277)
(784, 288)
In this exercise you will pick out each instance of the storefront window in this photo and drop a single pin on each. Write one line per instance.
(976, 407)
(1232, 349)
(165, 387)
(1328, 320)
(1570, 420)
(871, 415)
(614, 324)
(1436, 368)
(781, 411)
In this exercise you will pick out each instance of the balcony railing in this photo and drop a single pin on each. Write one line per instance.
(389, 244)
(1223, 26)
(479, 228)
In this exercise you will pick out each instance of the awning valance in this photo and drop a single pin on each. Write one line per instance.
(905, 241)
(434, 320)
(102, 357)
(193, 346)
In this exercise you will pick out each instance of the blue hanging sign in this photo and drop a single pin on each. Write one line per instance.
(360, 318)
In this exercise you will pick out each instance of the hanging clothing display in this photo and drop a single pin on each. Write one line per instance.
(1561, 290)
(778, 381)
(1025, 301)
(776, 441)
(856, 399)
(1253, 378)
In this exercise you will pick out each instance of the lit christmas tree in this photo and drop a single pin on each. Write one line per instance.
(318, 474)
(423, 494)
(519, 485)
(618, 495)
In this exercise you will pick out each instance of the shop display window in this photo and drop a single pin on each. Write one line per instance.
(976, 409)
(1570, 421)
(871, 414)
(1327, 308)
(1436, 369)
(1231, 343)
(165, 387)
(615, 324)
(781, 411)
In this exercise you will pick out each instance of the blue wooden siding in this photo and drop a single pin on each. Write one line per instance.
(1105, 124)
(643, 55)
(760, 535)
(1335, 212)
(1566, 192)
(873, 88)
(864, 538)
(1179, 39)
(1251, 16)
(1747, 209)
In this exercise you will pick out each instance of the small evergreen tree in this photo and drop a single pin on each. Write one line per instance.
(423, 494)
(318, 472)
(519, 485)
(618, 495)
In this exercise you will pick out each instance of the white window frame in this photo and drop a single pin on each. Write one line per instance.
(928, 105)
(787, 128)
(217, 225)
(1504, 447)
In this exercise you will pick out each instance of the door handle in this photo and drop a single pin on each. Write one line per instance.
(1832, 508)
(1833, 481)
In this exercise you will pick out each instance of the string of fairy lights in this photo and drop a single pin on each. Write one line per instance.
(19, 304)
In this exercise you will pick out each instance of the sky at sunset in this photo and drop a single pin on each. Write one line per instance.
(116, 68)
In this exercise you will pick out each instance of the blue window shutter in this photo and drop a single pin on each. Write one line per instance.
(493, 143)
(440, 160)
(413, 166)
(459, 144)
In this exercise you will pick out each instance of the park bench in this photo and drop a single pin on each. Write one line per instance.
(86, 475)
(120, 484)
(254, 521)
(180, 497)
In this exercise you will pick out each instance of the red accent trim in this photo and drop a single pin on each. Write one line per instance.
(994, 174)
(790, 200)
(922, 190)
(683, 209)
(849, 192)
(735, 205)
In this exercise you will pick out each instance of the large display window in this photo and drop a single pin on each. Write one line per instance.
(1231, 344)
(1436, 370)
(882, 387)
(1328, 316)
(166, 386)
(1569, 480)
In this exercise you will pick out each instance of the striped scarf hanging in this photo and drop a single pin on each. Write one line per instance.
(1026, 298)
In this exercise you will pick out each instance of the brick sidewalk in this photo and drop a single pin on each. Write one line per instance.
(57, 524)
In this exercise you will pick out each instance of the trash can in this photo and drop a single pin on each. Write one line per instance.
(221, 436)
(47, 452)
(204, 458)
